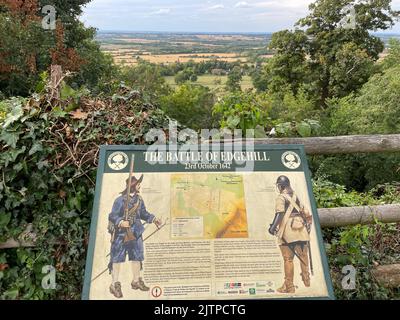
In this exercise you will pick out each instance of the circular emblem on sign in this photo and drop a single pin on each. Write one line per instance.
(291, 160)
(118, 161)
(156, 292)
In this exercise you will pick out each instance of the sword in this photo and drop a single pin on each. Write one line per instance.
(293, 251)
(311, 260)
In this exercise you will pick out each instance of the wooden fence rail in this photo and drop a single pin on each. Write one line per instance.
(336, 145)
(329, 218)
(388, 276)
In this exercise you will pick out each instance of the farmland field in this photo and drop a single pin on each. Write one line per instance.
(167, 48)
(214, 82)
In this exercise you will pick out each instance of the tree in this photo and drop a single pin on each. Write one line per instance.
(191, 105)
(393, 58)
(187, 74)
(374, 111)
(334, 60)
(26, 50)
(288, 66)
(146, 78)
(234, 79)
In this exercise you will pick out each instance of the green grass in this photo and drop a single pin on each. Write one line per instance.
(214, 82)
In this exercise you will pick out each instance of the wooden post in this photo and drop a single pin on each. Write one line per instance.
(388, 276)
(56, 78)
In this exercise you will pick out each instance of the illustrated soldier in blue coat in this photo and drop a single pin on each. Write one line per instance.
(126, 225)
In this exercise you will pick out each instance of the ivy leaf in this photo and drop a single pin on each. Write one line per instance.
(37, 147)
(58, 113)
(70, 214)
(16, 113)
(12, 155)
(67, 92)
(11, 294)
(5, 219)
(10, 138)
(42, 164)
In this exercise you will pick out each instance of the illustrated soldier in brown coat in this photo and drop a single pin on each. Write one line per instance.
(292, 226)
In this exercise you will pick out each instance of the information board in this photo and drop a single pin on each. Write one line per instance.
(217, 223)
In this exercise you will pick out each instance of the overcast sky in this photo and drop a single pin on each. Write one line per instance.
(198, 16)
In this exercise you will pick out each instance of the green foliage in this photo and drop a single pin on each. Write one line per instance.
(393, 58)
(26, 51)
(360, 246)
(48, 163)
(329, 60)
(3, 110)
(243, 111)
(374, 110)
(185, 75)
(18, 41)
(306, 128)
(146, 78)
(191, 105)
(234, 79)
(288, 67)
(360, 172)
(288, 107)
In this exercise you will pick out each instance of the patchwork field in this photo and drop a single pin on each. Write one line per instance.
(166, 48)
(129, 57)
(214, 82)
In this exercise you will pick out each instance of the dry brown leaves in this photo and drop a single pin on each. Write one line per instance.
(4, 266)
(79, 115)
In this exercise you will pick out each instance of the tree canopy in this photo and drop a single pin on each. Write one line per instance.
(332, 60)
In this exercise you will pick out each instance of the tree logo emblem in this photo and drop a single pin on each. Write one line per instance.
(291, 160)
(118, 161)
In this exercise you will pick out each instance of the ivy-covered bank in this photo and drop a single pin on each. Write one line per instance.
(48, 160)
(49, 150)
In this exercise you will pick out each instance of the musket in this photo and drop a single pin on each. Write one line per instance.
(129, 234)
(158, 229)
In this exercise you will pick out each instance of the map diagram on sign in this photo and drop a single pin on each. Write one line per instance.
(208, 206)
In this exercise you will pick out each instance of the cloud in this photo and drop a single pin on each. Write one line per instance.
(216, 7)
(284, 4)
(161, 11)
(242, 4)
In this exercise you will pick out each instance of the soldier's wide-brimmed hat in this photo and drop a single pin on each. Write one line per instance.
(135, 181)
